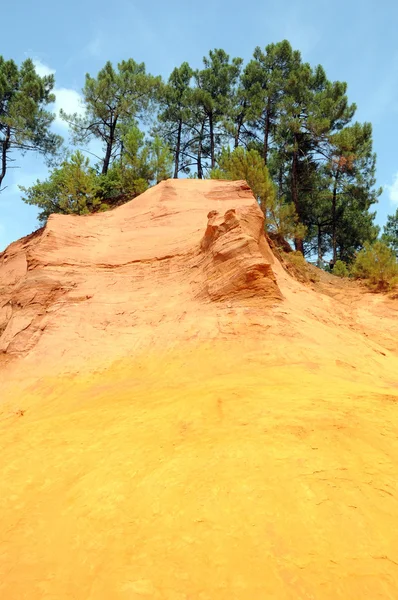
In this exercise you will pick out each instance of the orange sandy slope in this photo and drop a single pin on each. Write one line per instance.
(182, 420)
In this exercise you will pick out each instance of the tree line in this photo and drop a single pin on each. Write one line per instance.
(276, 121)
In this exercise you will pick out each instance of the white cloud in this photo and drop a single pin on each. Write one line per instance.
(393, 190)
(41, 69)
(66, 98)
(70, 101)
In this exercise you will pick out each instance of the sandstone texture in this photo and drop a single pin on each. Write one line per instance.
(181, 419)
(181, 240)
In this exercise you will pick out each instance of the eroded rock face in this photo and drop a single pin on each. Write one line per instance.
(26, 293)
(235, 258)
(72, 270)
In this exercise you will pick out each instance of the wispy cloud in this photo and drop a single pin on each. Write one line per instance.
(42, 69)
(66, 98)
(393, 189)
(94, 47)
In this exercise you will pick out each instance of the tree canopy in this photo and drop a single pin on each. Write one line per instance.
(24, 120)
(276, 121)
(113, 102)
(390, 233)
(70, 189)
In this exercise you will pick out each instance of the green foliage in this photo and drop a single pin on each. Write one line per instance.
(161, 160)
(294, 140)
(263, 85)
(340, 269)
(351, 170)
(110, 185)
(247, 165)
(24, 120)
(113, 101)
(238, 164)
(70, 189)
(143, 163)
(377, 264)
(213, 97)
(176, 112)
(283, 220)
(390, 234)
(76, 188)
(322, 167)
(312, 110)
(299, 268)
(134, 164)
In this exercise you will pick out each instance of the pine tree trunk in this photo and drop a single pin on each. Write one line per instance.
(178, 147)
(107, 158)
(294, 190)
(199, 161)
(280, 181)
(334, 223)
(109, 147)
(298, 243)
(266, 134)
(239, 124)
(5, 145)
(320, 247)
(212, 150)
(237, 135)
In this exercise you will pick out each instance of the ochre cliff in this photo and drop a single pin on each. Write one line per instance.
(204, 240)
(180, 419)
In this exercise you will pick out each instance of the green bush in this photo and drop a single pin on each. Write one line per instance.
(281, 218)
(378, 265)
(340, 269)
(297, 266)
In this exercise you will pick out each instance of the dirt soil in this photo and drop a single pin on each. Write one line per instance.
(180, 419)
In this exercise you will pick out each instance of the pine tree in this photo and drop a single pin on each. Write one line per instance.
(214, 97)
(161, 160)
(113, 100)
(312, 109)
(390, 233)
(24, 121)
(70, 189)
(264, 79)
(376, 263)
(175, 114)
(280, 219)
(249, 166)
(351, 169)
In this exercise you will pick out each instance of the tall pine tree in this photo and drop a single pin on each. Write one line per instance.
(113, 99)
(214, 93)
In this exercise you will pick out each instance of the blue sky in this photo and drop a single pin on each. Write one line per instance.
(353, 39)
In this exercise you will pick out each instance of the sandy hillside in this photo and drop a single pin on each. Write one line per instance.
(180, 419)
